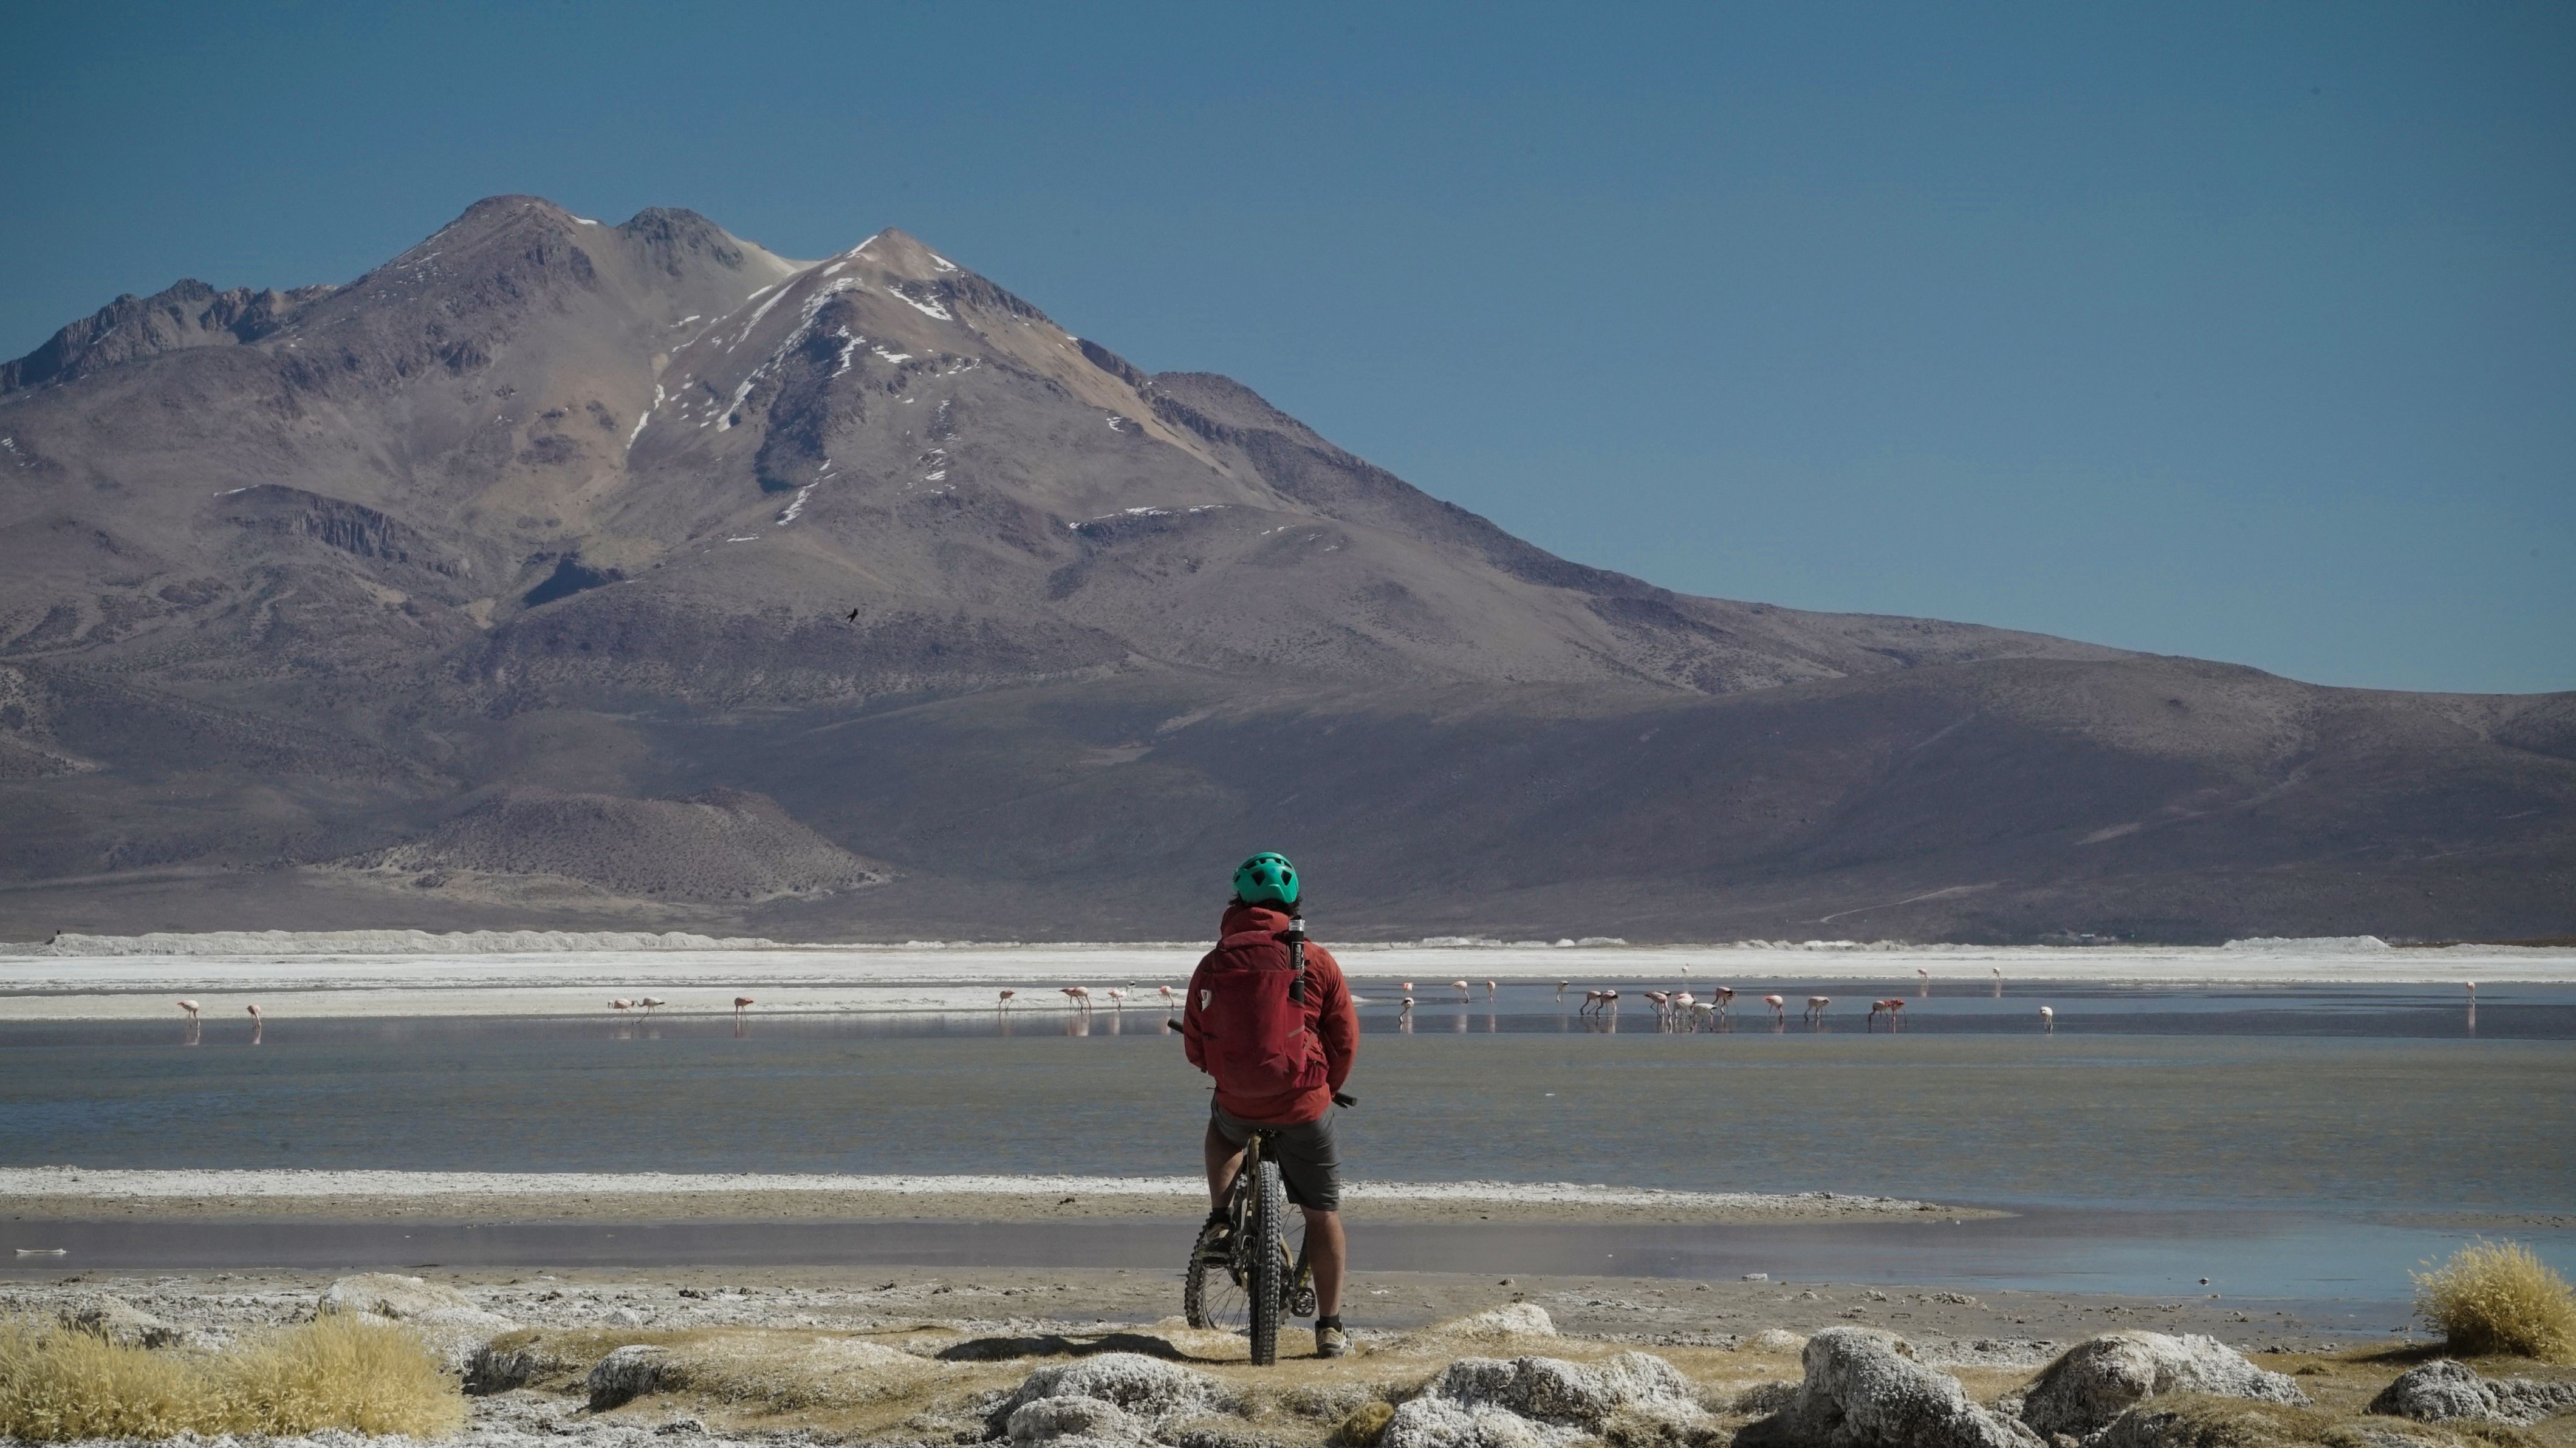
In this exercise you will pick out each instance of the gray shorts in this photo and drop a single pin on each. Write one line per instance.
(1309, 1165)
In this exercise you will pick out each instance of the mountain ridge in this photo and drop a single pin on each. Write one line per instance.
(306, 589)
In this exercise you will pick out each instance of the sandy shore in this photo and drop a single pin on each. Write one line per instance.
(308, 977)
(70, 1193)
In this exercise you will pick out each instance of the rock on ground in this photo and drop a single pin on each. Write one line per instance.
(390, 1294)
(1863, 1389)
(102, 1315)
(445, 1318)
(627, 1372)
(1116, 1397)
(1533, 1401)
(2101, 1378)
(2443, 1391)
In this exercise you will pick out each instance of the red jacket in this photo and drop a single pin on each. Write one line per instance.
(1332, 1024)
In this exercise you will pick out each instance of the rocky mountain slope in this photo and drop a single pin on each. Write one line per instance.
(557, 572)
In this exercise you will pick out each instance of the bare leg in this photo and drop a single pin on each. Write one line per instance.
(1325, 1253)
(1224, 1159)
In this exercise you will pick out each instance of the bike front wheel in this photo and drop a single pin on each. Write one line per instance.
(1269, 1252)
(1212, 1296)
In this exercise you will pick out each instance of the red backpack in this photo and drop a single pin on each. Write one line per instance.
(1253, 1028)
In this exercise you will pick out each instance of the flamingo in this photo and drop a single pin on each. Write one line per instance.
(1489, 990)
(1079, 995)
(254, 1012)
(2047, 1019)
(1816, 1008)
(1702, 1010)
(1560, 988)
(650, 1002)
(1925, 977)
(741, 1004)
(1779, 1008)
(1460, 987)
(1405, 986)
(1005, 1002)
(1117, 999)
(621, 1005)
(1684, 1001)
(1611, 998)
(1167, 997)
(1895, 1008)
(1661, 1001)
(190, 1007)
(1408, 1007)
(1724, 996)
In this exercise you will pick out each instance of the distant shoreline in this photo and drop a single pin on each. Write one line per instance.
(64, 1193)
(309, 976)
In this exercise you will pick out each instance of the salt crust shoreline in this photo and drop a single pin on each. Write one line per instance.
(68, 1181)
(524, 942)
(346, 975)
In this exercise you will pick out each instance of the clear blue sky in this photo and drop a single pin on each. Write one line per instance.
(2241, 331)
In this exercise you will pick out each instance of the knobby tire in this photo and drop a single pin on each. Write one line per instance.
(1211, 1297)
(1269, 1277)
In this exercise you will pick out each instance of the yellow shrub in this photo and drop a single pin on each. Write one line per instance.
(338, 1372)
(56, 1384)
(2497, 1297)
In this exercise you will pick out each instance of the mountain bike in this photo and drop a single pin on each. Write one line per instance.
(1249, 1271)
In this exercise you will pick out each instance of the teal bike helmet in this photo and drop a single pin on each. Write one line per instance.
(1266, 879)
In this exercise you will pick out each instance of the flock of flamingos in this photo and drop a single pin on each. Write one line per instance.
(1677, 1008)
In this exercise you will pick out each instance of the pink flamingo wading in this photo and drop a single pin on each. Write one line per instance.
(742, 1004)
(190, 1007)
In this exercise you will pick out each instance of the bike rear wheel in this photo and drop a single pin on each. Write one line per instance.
(1268, 1250)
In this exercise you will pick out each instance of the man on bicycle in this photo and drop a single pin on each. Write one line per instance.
(1280, 1049)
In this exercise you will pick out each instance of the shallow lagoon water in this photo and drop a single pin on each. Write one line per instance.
(2288, 1138)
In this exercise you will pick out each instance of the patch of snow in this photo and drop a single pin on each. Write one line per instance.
(935, 477)
(761, 311)
(944, 263)
(796, 507)
(744, 538)
(725, 423)
(891, 356)
(645, 417)
(684, 321)
(927, 309)
(1117, 423)
(834, 267)
(586, 221)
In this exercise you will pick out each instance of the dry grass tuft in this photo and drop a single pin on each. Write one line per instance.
(2497, 1297)
(338, 1372)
